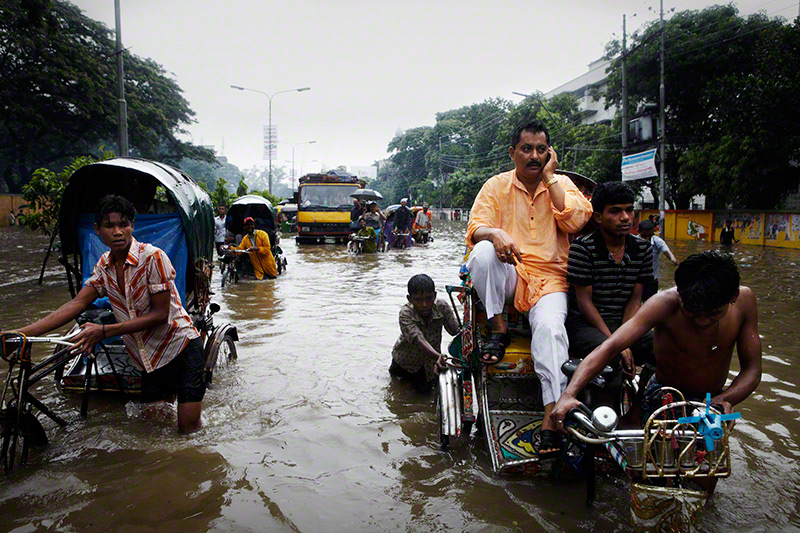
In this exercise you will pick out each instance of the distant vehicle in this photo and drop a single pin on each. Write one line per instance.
(287, 217)
(263, 214)
(323, 208)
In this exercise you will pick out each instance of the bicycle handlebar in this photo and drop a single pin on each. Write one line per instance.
(52, 339)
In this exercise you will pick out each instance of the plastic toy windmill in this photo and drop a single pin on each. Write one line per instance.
(710, 423)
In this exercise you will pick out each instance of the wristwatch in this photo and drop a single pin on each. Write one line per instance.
(549, 183)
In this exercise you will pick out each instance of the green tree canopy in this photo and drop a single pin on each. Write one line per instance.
(450, 161)
(58, 93)
(733, 104)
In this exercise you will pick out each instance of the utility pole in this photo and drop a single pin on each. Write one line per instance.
(441, 180)
(624, 88)
(122, 120)
(662, 135)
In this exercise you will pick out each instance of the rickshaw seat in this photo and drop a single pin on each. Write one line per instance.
(164, 231)
(518, 354)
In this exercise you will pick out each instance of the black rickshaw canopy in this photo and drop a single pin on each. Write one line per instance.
(153, 188)
(251, 205)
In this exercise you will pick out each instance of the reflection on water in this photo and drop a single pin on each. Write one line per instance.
(308, 433)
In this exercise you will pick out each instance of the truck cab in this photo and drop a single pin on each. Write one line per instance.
(323, 207)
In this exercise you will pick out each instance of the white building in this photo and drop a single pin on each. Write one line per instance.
(594, 81)
(369, 172)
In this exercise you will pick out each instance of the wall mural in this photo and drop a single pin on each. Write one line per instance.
(747, 225)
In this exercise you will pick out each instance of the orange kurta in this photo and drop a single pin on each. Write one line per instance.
(539, 230)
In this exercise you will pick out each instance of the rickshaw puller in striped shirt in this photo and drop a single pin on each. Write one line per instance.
(139, 280)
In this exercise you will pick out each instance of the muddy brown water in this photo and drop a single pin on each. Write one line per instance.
(309, 433)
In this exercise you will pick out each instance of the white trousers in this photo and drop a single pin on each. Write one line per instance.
(495, 283)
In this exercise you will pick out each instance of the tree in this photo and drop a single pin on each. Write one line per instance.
(221, 195)
(733, 119)
(44, 193)
(209, 172)
(58, 88)
(241, 189)
(451, 161)
(274, 200)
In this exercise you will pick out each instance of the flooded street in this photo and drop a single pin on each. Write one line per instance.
(307, 432)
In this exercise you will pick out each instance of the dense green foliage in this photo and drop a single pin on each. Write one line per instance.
(59, 97)
(221, 195)
(45, 190)
(733, 104)
(449, 162)
(733, 120)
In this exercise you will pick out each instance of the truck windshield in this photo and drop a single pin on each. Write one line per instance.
(330, 196)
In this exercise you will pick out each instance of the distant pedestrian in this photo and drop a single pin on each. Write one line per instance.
(726, 235)
(12, 220)
(219, 229)
(646, 230)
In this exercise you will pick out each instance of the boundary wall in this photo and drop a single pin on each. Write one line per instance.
(765, 228)
(9, 203)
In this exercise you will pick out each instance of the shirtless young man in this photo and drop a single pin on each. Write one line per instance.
(696, 326)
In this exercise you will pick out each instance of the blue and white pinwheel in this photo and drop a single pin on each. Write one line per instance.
(710, 423)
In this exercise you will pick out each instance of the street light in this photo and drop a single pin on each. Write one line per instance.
(270, 96)
(303, 163)
(293, 147)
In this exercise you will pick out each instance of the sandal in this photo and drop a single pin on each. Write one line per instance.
(549, 444)
(495, 348)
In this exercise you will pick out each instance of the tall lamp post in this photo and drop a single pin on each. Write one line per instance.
(122, 120)
(293, 147)
(270, 96)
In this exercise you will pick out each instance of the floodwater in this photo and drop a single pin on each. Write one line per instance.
(309, 433)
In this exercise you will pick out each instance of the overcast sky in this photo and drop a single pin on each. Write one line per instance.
(373, 66)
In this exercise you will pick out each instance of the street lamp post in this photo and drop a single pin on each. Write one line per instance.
(122, 120)
(293, 147)
(270, 96)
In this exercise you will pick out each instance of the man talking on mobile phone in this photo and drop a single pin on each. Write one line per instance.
(519, 227)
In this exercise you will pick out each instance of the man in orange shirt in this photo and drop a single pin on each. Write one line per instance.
(519, 228)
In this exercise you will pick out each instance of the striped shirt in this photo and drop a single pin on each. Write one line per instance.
(147, 270)
(590, 263)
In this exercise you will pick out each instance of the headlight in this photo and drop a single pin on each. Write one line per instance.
(305, 228)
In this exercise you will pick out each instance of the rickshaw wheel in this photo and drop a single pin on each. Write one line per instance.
(228, 275)
(224, 355)
(227, 351)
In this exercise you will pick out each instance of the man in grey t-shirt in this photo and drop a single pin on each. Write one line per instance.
(646, 230)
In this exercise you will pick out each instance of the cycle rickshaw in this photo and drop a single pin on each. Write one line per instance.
(681, 442)
(174, 214)
(263, 214)
(400, 240)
